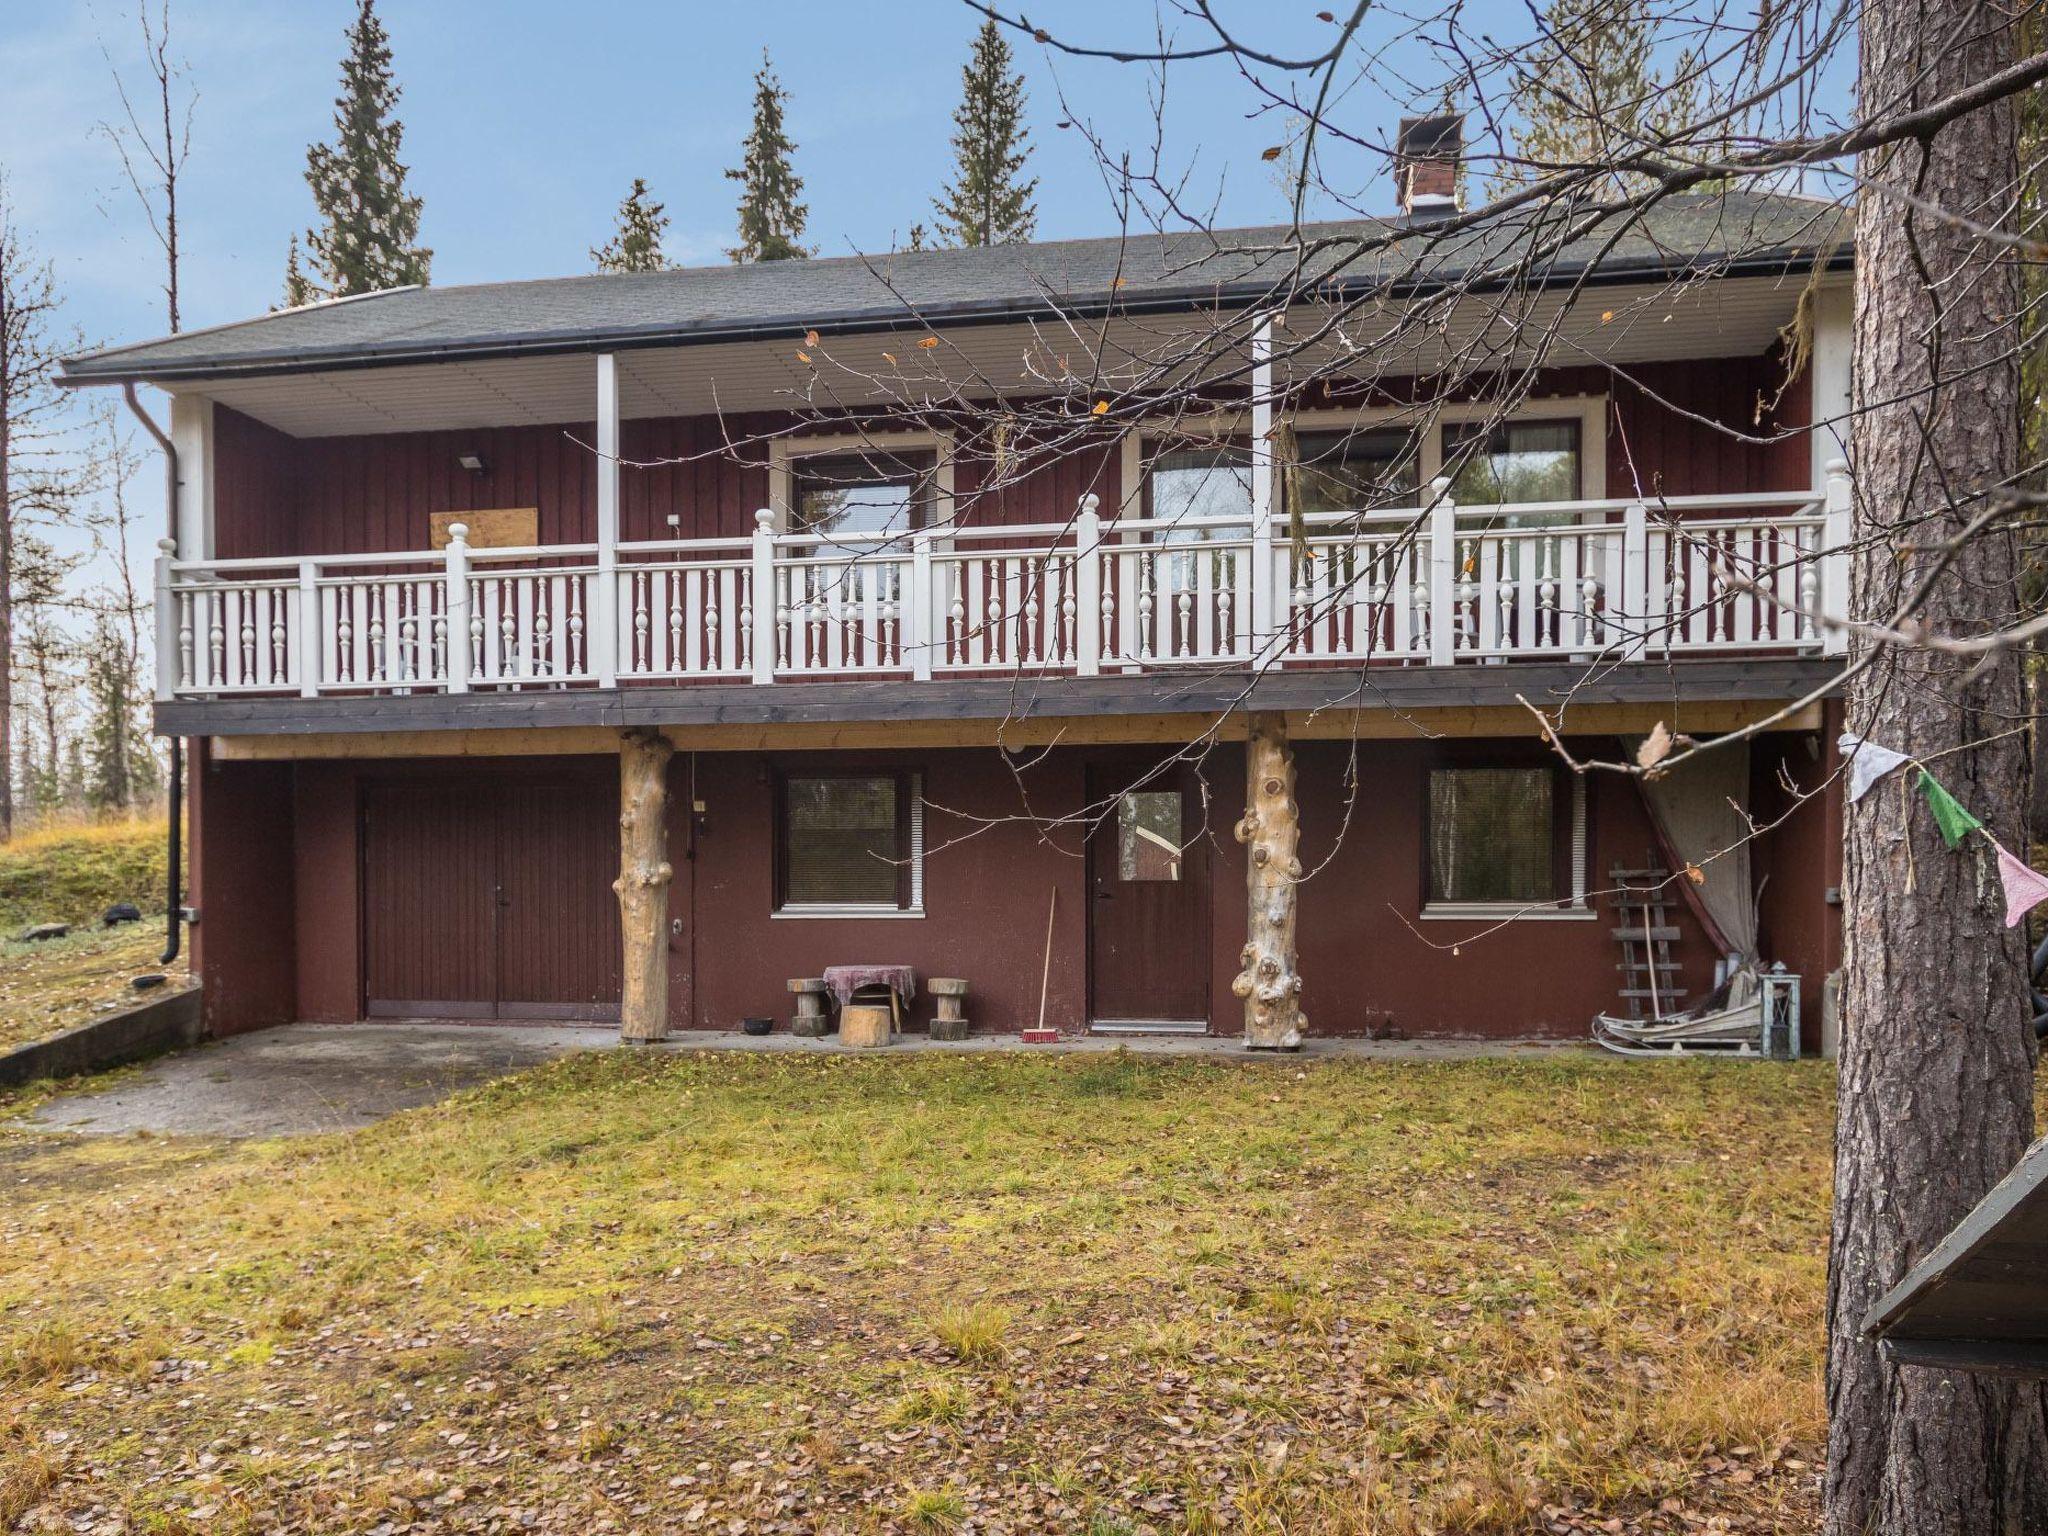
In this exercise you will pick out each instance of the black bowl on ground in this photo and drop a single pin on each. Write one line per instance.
(756, 1026)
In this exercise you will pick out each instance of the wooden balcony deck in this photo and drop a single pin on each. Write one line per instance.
(1200, 607)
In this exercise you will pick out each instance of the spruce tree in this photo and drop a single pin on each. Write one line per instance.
(1591, 92)
(298, 288)
(121, 771)
(636, 247)
(988, 202)
(771, 218)
(369, 221)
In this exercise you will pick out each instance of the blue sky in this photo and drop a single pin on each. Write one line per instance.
(526, 120)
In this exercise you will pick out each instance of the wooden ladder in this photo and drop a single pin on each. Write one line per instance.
(1649, 975)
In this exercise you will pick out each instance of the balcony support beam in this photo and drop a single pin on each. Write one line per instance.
(1264, 441)
(602, 638)
(1270, 830)
(642, 886)
(192, 432)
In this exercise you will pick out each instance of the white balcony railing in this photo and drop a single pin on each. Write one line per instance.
(1436, 585)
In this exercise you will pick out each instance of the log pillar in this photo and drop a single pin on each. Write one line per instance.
(642, 886)
(1271, 833)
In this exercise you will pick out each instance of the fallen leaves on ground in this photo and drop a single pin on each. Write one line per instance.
(794, 1294)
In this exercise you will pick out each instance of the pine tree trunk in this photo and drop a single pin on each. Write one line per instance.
(642, 886)
(6, 614)
(1271, 833)
(1937, 1056)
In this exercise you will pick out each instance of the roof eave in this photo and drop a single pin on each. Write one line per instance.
(1186, 300)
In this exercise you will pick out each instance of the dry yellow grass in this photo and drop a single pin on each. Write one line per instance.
(57, 983)
(1017, 1294)
(70, 872)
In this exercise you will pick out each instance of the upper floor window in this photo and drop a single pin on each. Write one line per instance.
(1354, 471)
(862, 498)
(1207, 482)
(1513, 461)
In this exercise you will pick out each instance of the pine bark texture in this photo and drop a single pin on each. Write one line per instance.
(1271, 833)
(642, 886)
(1937, 1056)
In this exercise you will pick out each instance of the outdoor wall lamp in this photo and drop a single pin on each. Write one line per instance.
(473, 462)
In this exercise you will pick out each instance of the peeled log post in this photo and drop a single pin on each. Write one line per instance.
(642, 886)
(1271, 833)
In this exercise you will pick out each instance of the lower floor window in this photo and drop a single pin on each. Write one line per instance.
(849, 843)
(1505, 836)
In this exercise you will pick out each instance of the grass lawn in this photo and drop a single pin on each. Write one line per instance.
(71, 874)
(1095, 1294)
(57, 983)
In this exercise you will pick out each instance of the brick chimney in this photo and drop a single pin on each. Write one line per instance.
(1426, 155)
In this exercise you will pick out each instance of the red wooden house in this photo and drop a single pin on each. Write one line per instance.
(435, 549)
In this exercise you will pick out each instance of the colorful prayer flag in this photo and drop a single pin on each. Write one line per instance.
(2025, 889)
(1955, 822)
(1868, 762)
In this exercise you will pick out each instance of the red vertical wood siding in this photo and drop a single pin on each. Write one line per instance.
(1368, 957)
(278, 496)
(240, 859)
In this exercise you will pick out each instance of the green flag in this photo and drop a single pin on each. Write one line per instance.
(1949, 814)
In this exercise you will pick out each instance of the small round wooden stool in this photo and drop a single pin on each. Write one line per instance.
(810, 1021)
(949, 1018)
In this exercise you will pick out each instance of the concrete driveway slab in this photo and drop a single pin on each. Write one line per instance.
(306, 1078)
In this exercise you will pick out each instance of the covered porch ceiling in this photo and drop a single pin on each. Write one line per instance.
(908, 367)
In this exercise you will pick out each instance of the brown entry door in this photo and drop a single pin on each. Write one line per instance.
(558, 918)
(1148, 907)
(490, 899)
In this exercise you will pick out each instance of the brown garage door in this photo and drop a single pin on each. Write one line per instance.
(491, 899)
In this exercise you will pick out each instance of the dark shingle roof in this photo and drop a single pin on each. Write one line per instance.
(1745, 231)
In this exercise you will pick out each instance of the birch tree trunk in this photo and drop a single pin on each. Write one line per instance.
(642, 886)
(1937, 1056)
(1271, 832)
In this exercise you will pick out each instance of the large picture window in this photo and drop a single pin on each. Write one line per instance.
(1508, 836)
(1354, 471)
(1513, 461)
(1200, 483)
(848, 844)
(859, 499)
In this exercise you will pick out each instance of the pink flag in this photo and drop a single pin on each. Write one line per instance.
(2025, 889)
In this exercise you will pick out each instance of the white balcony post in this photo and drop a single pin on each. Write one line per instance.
(169, 663)
(920, 626)
(1635, 575)
(1088, 587)
(764, 595)
(601, 641)
(1262, 482)
(456, 603)
(1836, 534)
(308, 642)
(1443, 573)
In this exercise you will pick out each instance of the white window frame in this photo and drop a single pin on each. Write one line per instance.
(869, 910)
(1572, 909)
(1590, 411)
(784, 452)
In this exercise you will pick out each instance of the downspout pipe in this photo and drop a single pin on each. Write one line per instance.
(174, 895)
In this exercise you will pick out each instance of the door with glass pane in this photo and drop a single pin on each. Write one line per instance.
(1148, 906)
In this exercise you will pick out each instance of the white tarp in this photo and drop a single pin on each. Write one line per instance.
(1702, 810)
